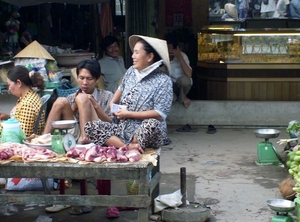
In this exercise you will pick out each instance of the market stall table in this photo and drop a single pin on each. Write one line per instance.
(148, 188)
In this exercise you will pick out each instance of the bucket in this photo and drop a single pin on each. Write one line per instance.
(11, 131)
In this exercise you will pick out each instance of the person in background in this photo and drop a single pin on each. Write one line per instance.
(25, 39)
(146, 91)
(281, 9)
(112, 65)
(267, 10)
(243, 9)
(230, 12)
(181, 72)
(237, 4)
(20, 82)
(295, 9)
(88, 103)
(13, 26)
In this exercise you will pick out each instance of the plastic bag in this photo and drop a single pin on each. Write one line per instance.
(167, 200)
(38, 65)
(27, 184)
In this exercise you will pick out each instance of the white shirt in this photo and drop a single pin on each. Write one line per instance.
(176, 68)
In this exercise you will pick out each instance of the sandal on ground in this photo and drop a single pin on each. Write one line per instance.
(127, 208)
(56, 208)
(81, 210)
(186, 128)
(211, 129)
(167, 141)
(112, 212)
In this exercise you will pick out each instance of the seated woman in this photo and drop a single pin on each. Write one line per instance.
(20, 82)
(146, 91)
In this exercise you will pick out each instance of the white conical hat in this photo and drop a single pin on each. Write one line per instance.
(159, 45)
(34, 50)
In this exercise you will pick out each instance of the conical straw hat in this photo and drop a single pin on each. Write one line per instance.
(34, 50)
(159, 45)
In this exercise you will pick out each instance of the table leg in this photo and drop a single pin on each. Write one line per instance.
(104, 187)
(61, 186)
(83, 187)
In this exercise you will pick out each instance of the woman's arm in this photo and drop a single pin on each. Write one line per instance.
(116, 98)
(185, 67)
(125, 114)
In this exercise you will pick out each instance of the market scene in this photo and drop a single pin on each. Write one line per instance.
(174, 110)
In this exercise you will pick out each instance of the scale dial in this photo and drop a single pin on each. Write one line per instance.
(68, 141)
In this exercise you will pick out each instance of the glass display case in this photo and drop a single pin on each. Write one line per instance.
(229, 44)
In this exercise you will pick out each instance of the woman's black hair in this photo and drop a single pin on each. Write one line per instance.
(107, 41)
(21, 73)
(91, 65)
(149, 49)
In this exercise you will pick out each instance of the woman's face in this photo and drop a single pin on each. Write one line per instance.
(113, 50)
(86, 81)
(14, 87)
(140, 57)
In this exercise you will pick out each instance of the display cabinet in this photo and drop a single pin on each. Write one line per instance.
(248, 64)
(229, 44)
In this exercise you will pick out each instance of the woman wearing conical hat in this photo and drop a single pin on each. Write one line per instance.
(146, 92)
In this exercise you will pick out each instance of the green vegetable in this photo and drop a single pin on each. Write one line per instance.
(293, 128)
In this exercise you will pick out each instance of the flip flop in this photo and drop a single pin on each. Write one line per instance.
(186, 128)
(127, 208)
(167, 141)
(211, 129)
(81, 210)
(112, 212)
(56, 208)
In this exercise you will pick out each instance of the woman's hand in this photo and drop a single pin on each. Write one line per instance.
(122, 114)
(4, 116)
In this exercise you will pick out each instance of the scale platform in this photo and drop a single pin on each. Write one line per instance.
(282, 208)
(266, 152)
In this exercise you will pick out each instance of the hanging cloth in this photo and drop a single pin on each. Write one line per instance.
(106, 22)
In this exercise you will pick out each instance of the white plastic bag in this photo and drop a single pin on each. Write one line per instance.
(167, 200)
(27, 184)
(34, 64)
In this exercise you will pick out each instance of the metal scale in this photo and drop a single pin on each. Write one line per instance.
(266, 152)
(62, 141)
(282, 209)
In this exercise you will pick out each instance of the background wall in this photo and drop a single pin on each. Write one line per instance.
(200, 16)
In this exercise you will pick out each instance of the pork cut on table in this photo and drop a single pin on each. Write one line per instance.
(96, 153)
(77, 153)
(99, 154)
(37, 153)
(7, 150)
(133, 155)
(111, 154)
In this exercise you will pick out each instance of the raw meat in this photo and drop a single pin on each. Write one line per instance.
(121, 154)
(37, 153)
(6, 153)
(111, 154)
(96, 154)
(77, 153)
(133, 155)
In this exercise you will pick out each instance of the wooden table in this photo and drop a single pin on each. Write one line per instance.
(148, 189)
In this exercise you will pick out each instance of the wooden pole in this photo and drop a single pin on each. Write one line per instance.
(183, 186)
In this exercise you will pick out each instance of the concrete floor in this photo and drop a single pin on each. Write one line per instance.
(221, 173)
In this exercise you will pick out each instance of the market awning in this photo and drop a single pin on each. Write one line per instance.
(37, 2)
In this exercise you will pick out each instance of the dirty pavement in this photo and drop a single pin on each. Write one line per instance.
(221, 173)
